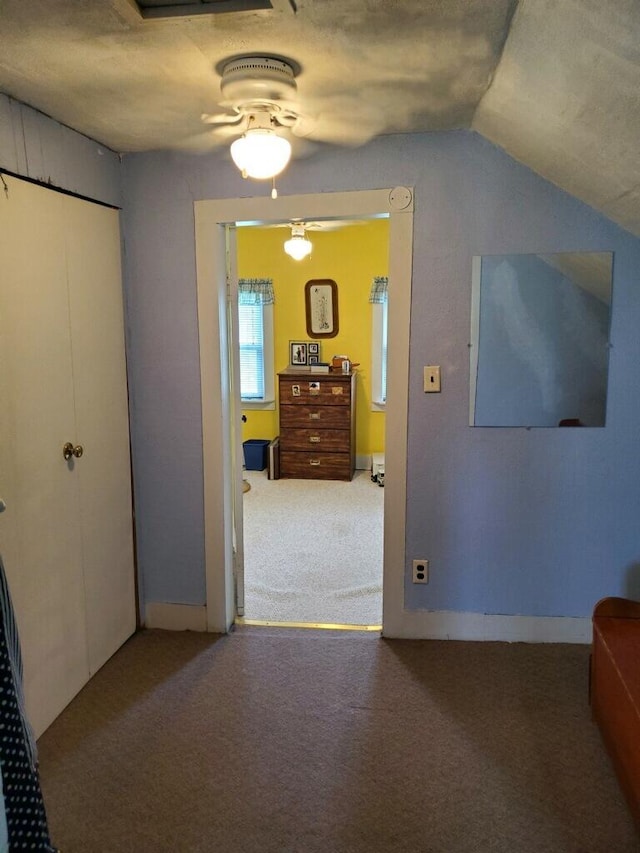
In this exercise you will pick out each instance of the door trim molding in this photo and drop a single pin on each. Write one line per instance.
(211, 217)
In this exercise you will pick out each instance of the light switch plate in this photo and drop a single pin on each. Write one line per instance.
(432, 379)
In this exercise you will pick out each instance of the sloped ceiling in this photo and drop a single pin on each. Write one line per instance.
(565, 100)
(556, 83)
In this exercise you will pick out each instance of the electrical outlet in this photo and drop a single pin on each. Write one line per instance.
(421, 571)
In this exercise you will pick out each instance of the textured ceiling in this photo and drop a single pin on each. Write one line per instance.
(565, 100)
(556, 83)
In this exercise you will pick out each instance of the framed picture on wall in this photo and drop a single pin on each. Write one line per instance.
(297, 353)
(313, 359)
(314, 349)
(321, 307)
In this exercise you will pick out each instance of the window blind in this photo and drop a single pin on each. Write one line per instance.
(253, 294)
(251, 334)
(379, 297)
(383, 357)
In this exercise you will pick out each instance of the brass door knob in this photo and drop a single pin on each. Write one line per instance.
(68, 450)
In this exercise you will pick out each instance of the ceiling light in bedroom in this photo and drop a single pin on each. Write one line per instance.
(298, 246)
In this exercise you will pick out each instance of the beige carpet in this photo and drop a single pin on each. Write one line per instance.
(302, 741)
(313, 550)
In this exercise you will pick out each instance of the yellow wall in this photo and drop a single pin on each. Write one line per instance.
(351, 256)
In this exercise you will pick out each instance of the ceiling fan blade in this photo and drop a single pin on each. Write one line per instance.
(329, 225)
(207, 139)
(325, 225)
(225, 132)
(221, 118)
(304, 126)
(335, 131)
(341, 119)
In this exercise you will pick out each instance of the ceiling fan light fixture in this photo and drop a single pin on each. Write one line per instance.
(298, 246)
(260, 153)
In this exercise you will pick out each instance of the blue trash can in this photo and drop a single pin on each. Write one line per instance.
(256, 453)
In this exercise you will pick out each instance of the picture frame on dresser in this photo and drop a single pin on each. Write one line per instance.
(298, 353)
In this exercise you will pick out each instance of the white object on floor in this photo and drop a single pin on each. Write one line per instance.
(377, 468)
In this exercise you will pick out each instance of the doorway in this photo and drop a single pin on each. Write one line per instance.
(312, 540)
(222, 446)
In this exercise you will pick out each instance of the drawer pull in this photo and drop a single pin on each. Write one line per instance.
(314, 462)
(314, 439)
(314, 416)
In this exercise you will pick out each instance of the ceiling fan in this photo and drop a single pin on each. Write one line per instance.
(262, 112)
(259, 101)
(319, 225)
(298, 246)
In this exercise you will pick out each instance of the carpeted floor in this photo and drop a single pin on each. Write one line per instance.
(313, 550)
(302, 741)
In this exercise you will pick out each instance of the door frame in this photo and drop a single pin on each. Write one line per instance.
(212, 216)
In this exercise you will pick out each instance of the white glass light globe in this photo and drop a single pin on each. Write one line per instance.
(298, 247)
(260, 153)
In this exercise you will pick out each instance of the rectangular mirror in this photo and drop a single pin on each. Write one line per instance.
(540, 339)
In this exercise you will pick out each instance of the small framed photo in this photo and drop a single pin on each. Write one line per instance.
(314, 349)
(313, 359)
(297, 353)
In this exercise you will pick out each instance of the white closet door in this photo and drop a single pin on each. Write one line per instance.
(40, 530)
(102, 425)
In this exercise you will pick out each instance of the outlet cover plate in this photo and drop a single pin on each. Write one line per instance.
(420, 571)
(432, 379)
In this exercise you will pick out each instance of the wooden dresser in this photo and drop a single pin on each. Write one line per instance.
(317, 424)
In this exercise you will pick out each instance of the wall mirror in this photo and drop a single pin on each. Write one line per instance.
(540, 339)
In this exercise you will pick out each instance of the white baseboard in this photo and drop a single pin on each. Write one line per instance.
(363, 462)
(176, 617)
(450, 625)
(419, 625)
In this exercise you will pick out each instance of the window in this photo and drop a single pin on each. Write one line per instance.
(255, 338)
(379, 301)
(251, 333)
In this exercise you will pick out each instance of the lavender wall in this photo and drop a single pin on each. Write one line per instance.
(34, 146)
(538, 522)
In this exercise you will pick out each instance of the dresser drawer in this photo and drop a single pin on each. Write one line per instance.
(320, 392)
(315, 466)
(336, 417)
(315, 439)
